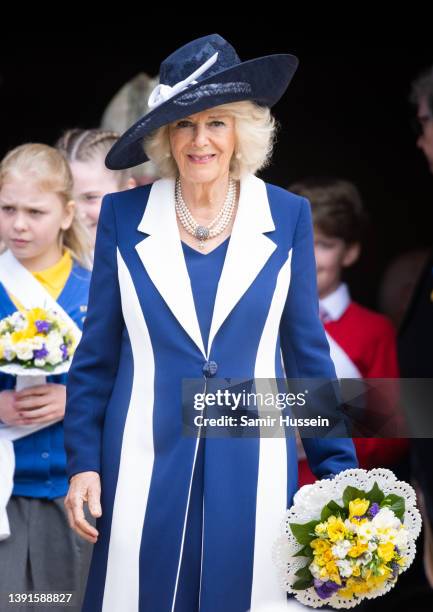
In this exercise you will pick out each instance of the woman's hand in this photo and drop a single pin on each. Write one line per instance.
(41, 404)
(8, 411)
(84, 487)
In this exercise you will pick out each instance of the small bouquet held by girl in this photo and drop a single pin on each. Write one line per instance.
(348, 539)
(35, 342)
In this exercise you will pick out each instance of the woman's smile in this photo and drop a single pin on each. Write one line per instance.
(201, 159)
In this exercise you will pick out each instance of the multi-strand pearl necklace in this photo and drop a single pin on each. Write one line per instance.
(217, 226)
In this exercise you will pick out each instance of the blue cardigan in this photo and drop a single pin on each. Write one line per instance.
(40, 457)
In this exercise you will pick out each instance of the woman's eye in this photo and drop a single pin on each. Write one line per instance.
(217, 123)
(7, 209)
(183, 124)
(35, 212)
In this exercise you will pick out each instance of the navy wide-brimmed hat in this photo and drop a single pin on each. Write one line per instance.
(202, 74)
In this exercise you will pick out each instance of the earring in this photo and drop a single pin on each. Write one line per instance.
(238, 156)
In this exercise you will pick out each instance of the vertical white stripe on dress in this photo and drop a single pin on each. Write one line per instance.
(272, 473)
(122, 578)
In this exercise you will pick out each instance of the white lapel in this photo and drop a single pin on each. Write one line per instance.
(247, 252)
(162, 255)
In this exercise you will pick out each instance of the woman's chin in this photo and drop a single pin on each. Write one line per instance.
(201, 174)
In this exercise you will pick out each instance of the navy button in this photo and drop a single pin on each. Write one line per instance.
(210, 368)
(45, 455)
(48, 482)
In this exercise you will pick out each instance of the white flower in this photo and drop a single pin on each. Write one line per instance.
(53, 341)
(315, 570)
(54, 357)
(18, 320)
(386, 519)
(372, 546)
(340, 549)
(401, 539)
(344, 567)
(37, 343)
(366, 531)
(367, 556)
(9, 354)
(24, 350)
(349, 526)
(39, 363)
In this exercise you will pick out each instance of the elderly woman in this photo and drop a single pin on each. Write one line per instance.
(208, 272)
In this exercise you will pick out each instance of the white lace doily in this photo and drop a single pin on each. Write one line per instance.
(15, 369)
(307, 504)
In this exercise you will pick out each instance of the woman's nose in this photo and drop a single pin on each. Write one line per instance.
(200, 135)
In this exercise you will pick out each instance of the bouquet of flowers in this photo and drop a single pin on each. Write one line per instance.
(348, 538)
(35, 341)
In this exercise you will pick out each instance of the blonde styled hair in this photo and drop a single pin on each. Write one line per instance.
(43, 165)
(82, 145)
(255, 129)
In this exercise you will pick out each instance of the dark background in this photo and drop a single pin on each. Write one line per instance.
(346, 113)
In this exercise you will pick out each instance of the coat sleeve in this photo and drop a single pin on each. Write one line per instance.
(305, 349)
(95, 363)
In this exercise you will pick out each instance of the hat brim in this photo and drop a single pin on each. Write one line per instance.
(263, 80)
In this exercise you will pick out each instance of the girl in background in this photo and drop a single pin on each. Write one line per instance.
(85, 151)
(44, 239)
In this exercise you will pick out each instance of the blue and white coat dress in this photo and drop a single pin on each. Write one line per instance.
(178, 534)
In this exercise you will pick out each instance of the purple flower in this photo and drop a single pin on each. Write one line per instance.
(395, 568)
(325, 589)
(40, 353)
(43, 327)
(373, 510)
(64, 350)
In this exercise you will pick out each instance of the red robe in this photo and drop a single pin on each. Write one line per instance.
(369, 340)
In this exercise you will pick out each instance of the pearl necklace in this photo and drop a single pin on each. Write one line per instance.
(215, 227)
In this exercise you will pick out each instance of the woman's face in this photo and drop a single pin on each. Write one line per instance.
(31, 219)
(203, 144)
(92, 180)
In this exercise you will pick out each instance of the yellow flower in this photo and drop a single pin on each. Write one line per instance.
(33, 315)
(384, 571)
(358, 507)
(327, 555)
(333, 573)
(357, 549)
(346, 593)
(386, 551)
(323, 573)
(356, 570)
(320, 528)
(336, 529)
(361, 587)
(354, 586)
(25, 334)
(36, 314)
(319, 546)
(1, 350)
